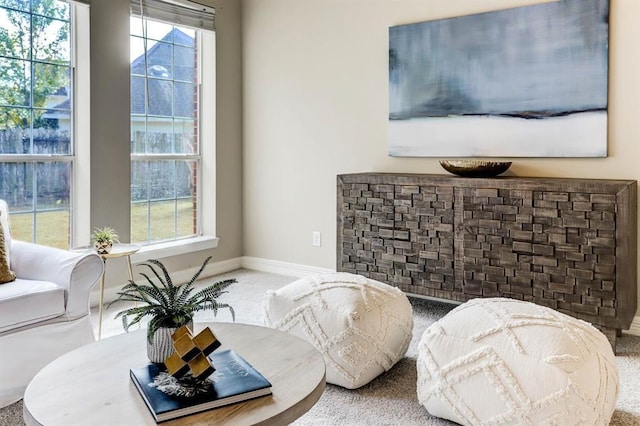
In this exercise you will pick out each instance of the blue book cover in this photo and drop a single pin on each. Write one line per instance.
(234, 380)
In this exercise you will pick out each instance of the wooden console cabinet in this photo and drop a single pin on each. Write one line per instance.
(569, 244)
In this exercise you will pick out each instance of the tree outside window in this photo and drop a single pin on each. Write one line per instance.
(36, 150)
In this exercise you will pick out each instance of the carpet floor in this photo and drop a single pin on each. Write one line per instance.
(390, 399)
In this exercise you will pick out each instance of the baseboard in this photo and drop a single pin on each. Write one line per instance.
(282, 268)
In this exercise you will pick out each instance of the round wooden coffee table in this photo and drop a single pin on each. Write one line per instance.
(91, 384)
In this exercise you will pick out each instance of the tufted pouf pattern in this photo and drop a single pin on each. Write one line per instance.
(362, 327)
(502, 361)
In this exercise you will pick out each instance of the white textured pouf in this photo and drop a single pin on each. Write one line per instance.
(362, 327)
(503, 361)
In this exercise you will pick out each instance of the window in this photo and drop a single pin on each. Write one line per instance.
(172, 77)
(36, 118)
(50, 174)
(165, 153)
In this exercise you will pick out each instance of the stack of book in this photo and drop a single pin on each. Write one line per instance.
(235, 380)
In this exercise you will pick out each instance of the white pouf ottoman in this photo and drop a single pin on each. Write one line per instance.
(502, 361)
(362, 327)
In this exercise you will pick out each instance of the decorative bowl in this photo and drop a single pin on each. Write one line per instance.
(475, 168)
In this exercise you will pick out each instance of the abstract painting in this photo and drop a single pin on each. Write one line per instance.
(522, 82)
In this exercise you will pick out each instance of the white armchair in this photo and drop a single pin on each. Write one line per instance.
(44, 313)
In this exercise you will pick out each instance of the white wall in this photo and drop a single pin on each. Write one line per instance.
(315, 105)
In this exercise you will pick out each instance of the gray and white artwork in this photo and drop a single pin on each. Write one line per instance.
(522, 82)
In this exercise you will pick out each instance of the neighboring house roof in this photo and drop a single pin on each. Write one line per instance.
(169, 59)
(65, 105)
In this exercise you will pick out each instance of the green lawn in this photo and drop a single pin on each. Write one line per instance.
(53, 227)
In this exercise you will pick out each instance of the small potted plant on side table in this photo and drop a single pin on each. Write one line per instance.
(170, 306)
(103, 239)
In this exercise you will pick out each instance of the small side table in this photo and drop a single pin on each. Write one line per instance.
(118, 250)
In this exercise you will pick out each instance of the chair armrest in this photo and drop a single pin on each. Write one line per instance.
(77, 273)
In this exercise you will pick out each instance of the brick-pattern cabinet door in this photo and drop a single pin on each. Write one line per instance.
(554, 248)
(398, 234)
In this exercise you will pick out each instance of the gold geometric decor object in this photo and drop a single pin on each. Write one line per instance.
(191, 353)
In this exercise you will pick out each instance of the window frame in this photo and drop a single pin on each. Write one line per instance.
(81, 190)
(206, 215)
(72, 156)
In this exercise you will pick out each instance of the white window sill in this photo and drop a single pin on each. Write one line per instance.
(174, 248)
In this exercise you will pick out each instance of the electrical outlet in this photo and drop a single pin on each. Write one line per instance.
(317, 239)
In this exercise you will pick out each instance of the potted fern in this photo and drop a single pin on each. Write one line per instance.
(168, 305)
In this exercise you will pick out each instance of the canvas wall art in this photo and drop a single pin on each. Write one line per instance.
(523, 82)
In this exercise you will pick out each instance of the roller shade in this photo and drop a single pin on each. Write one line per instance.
(178, 12)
